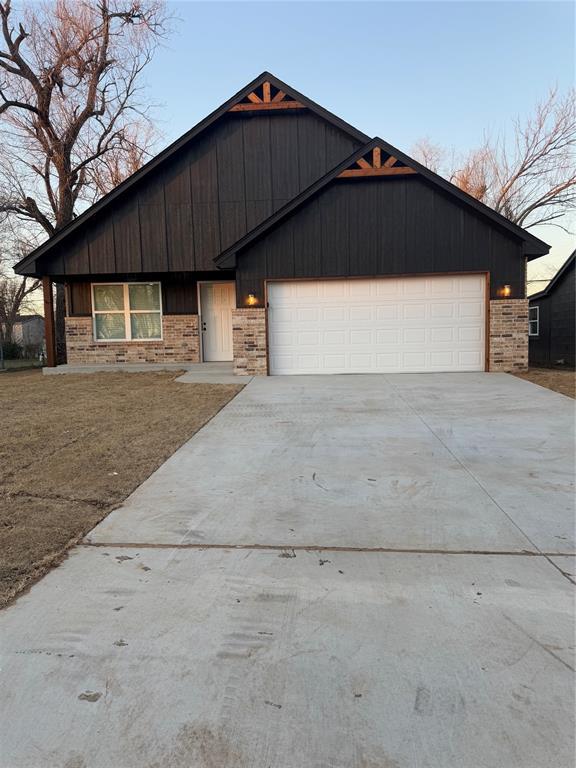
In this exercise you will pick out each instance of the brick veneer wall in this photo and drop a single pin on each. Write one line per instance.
(180, 344)
(249, 342)
(509, 335)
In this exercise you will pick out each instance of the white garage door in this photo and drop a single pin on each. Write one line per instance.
(382, 325)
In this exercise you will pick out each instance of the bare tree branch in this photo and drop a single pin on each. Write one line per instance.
(530, 179)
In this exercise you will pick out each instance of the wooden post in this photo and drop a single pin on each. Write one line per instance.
(49, 329)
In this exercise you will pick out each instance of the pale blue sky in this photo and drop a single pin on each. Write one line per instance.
(402, 70)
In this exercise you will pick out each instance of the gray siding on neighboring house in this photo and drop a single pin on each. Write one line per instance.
(28, 331)
(556, 340)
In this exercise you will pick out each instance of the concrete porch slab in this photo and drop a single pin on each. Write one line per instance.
(199, 373)
(235, 659)
(116, 367)
(213, 373)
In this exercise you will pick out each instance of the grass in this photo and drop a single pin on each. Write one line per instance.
(558, 380)
(74, 447)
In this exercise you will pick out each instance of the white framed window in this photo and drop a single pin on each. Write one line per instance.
(127, 311)
(534, 321)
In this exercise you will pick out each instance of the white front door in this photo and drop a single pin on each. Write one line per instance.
(217, 300)
(379, 325)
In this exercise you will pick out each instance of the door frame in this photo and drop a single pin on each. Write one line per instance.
(199, 283)
(484, 272)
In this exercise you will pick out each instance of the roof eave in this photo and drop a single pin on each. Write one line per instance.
(539, 295)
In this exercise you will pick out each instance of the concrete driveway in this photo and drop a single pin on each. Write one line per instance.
(336, 572)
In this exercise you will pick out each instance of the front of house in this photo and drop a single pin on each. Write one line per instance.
(279, 237)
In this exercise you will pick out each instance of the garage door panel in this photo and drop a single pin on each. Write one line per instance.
(387, 337)
(415, 286)
(471, 309)
(414, 336)
(471, 285)
(442, 358)
(360, 313)
(389, 288)
(444, 334)
(387, 312)
(388, 361)
(308, 362)
(330, 314)
(470, 333)
(335, 337)
(377, 325)
(414, 311)
(335, 362)
(443, 310)
(361, 337)
(442, 286)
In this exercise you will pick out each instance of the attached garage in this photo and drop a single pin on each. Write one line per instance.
(377, 325)
(381, 267)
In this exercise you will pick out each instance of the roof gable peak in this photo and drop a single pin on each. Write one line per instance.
(289, 99)
(376, 161)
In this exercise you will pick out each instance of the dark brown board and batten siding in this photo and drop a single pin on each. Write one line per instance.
(391, 226)
(179, 290)
(206, 196)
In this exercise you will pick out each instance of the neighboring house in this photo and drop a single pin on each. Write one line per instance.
(276, 235)
(28, 332)
(552, 320)
(536, 286)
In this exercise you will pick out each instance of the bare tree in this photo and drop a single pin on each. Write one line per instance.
(531, 178)
(16, 294)
(72, 119)
(433, 156)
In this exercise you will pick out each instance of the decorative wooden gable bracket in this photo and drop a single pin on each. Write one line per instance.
(266, 100)
(375, 167)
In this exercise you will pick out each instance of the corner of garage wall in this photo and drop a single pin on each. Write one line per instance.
(508, 335)
(249, 341)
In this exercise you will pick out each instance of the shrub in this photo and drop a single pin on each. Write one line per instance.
(12, 350)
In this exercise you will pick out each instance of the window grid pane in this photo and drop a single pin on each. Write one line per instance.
(144, 297)
(109, 298)
(110, 325)
(145, 325)
(127, 311)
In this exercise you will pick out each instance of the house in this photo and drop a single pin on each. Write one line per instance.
(28, 331)
(552, 320)
(276, 235)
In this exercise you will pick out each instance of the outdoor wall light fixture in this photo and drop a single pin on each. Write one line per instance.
(505, 291)
(251, 301)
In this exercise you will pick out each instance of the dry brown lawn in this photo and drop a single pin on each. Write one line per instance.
(73, 447)
(560, 381)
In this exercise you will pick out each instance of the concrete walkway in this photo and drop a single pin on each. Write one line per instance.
(199, 373)
(336, 572)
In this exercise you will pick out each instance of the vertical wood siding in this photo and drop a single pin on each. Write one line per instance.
(207, 196)
(382, 227)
